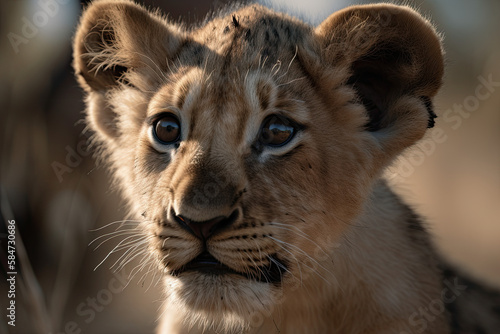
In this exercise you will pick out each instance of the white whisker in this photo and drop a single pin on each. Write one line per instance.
(111, 236)
(143, 262)
(121, 222)
(114, 250)
(127, 259)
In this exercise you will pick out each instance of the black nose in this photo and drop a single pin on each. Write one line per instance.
(204, 229)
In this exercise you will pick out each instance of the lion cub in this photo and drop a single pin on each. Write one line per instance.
(252, 147)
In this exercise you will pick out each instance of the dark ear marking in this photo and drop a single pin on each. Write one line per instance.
(430, 110)
(373, 110)
(236, 23)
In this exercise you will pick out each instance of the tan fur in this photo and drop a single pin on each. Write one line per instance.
(317, 203)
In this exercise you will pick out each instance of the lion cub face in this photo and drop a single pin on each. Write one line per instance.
(250, 144)
(235, 164)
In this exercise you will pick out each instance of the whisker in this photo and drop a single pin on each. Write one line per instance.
(152, 279)
(142, 263)
(111, 252)
(255, 266)
(126, 256)
(139, 265)
(128, 244)
(111, 236)
(150, 269)
(121, 222)
(127, 259)
(280, 266)
(296, 260)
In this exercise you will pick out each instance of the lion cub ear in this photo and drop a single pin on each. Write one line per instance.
(118, 44)
(395, 61)
(119, 41)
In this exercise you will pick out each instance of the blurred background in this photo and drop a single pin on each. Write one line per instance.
(57, 193)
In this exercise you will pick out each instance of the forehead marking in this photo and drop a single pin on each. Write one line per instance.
(260, 91)
(180, 92)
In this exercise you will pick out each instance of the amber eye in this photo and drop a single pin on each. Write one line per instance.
(276, 131)
(167, 129)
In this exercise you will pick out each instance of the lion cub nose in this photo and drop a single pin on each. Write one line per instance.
(204, 229)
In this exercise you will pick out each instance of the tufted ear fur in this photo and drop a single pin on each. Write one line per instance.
(119, 36)
(395, 63)
(120, 43)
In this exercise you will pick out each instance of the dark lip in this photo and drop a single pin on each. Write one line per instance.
(207, 264)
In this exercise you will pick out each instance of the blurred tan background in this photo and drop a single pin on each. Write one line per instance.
(57, 194)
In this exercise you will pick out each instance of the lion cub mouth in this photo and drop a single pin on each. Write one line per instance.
(206, 264)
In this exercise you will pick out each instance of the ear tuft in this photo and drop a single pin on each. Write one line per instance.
(116, 36)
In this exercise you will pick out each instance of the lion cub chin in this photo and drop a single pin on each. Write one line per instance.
(251, 150)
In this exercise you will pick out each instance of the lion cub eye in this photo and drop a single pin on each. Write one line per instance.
(276, 131)
(167, 129)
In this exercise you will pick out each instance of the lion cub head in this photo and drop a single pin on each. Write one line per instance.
(249, 145)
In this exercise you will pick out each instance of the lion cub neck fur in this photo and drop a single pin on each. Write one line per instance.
(354, 258)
